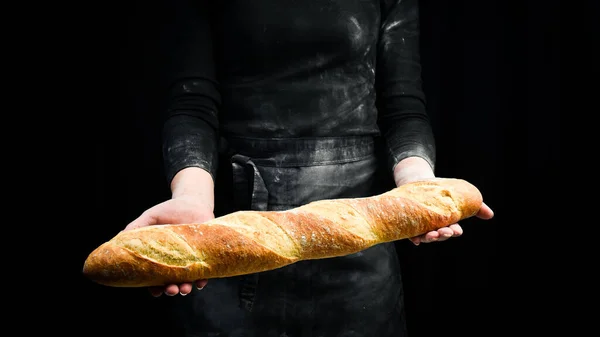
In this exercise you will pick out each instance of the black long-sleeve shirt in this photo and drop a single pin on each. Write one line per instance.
(320, 68)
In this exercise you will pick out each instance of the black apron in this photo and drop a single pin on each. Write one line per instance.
(359, 295)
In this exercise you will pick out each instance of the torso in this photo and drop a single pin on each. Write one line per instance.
(290, 70)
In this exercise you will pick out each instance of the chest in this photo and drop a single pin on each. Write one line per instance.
(297, 28)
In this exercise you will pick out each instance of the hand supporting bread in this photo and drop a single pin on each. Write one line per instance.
(246, 242)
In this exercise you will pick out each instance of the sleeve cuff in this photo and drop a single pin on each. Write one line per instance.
(397, 154)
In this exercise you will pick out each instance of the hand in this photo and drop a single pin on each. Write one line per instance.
(182, 209)
(444, 233)
(415, 168)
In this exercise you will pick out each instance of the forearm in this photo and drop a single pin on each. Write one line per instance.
(190, 131)
(188, 141)
(196, 182)
(403, 118)
(409, 134)
(190, 144)
(412, 168)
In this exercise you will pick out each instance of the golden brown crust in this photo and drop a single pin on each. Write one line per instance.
(250, 241)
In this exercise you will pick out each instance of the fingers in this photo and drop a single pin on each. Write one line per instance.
(456, 230)
(156, 291)
(174, 289)
(439, 235)
(415, 240)
(185, 288)
(200, 284)
(485, 212)
(171, 290)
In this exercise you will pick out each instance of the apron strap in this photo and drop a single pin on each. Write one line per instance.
(249, 187)
(250, 193)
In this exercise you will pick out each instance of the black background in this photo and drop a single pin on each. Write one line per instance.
(491, 73)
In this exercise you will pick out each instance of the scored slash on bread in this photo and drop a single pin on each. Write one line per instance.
(246, 242)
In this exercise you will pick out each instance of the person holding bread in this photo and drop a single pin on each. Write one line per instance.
(275, 105)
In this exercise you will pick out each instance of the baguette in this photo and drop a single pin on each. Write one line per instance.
(247, 242)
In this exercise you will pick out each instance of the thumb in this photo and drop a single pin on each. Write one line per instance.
(485, 212)
(150, 217)
(142, 221)
(162, 213)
